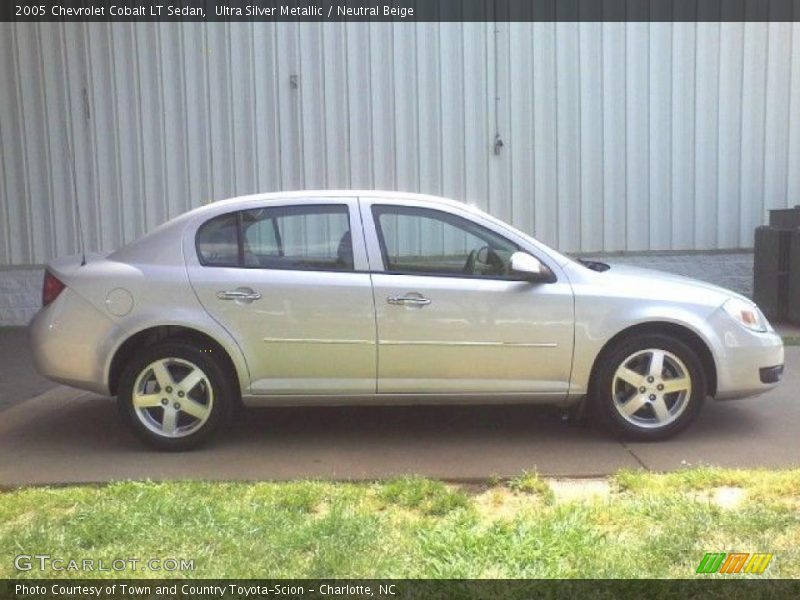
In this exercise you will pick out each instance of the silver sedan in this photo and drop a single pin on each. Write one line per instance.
(370, 297)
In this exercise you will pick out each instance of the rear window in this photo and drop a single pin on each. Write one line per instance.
(218, 242)
(290, 237)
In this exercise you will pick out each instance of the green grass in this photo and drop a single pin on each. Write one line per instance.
(649, 526)
(424, 495)
(791, 340)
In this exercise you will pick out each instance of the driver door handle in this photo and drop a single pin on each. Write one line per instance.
(409, 300)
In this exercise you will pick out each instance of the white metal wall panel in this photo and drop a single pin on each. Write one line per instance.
(779, 69)
(660, 138)
(637, 149)
(478, 135)
(451, 52)
(522, 117)
(545, 151)
(616, 136)
(730, 134)
(683, 198)
(16, 236)
(568, 136)
(754, 86)
(707, 135)
(405, 106)
(591, 134)
(498, 92)
(793, 157)
(614, 124)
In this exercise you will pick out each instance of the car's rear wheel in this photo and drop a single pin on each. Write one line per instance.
(174, 396)
(649, 387)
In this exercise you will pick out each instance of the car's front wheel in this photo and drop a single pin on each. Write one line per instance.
(649, 387)
(174, 396)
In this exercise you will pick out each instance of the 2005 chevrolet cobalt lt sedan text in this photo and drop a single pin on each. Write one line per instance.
(370, 297)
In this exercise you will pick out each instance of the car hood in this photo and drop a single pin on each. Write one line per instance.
(651, 283)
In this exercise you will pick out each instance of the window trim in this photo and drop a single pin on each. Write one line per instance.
(278, 238)
(377, 209)
(240, 238)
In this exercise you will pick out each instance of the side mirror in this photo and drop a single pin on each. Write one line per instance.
(530, 268)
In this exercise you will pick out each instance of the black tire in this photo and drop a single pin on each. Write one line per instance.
(222, 390)
(603, 395)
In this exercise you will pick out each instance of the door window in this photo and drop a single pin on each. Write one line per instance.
(424, 241)
(286, 237)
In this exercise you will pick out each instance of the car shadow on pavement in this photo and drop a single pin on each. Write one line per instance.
(65, 436)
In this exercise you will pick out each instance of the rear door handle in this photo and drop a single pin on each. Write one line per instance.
(240, 294)
(409, 300)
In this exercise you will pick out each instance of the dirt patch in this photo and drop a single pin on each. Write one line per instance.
(579, 490)
(501, 503)
(727, 497)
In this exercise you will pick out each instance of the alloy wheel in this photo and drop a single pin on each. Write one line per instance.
(651, 388)
(173, 397)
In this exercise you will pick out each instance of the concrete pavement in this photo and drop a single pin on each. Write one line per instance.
(66, 436)
(18, 379)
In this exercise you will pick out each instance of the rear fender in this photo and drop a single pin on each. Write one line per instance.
(192, 319)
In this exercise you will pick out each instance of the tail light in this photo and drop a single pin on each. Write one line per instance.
(51, 288)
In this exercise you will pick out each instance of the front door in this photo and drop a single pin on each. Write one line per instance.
(451, 319)
(289, 282)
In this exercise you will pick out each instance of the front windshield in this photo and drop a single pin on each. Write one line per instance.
(561, 259)
(558, 257)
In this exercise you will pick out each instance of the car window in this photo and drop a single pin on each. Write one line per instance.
(290, 237)
(217, 242)
(427, 241)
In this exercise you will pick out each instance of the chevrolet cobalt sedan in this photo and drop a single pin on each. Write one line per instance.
(384, 298)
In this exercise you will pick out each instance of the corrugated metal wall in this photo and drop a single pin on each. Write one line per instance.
(616, 136)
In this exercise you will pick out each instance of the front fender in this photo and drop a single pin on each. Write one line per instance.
(599, 321)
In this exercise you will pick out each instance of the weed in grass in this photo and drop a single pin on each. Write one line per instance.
(427, 496)
(494, 480)
(529, 482)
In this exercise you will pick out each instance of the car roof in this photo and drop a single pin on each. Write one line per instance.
(312, 196)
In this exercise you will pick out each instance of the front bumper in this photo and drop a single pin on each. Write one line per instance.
(748, 363)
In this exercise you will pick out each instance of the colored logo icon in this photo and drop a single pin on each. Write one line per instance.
(735, 562)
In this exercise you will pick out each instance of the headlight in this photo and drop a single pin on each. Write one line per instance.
(746, 314)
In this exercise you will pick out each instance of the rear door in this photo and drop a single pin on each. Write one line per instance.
(290, 282)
